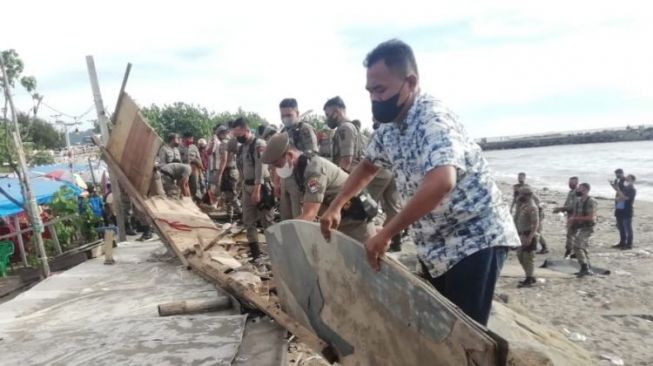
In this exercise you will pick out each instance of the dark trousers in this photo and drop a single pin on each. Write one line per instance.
(625, 226)
(470, 283)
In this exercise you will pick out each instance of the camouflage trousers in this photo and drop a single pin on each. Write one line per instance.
(357, 229)
(581, 244)
(252, 215)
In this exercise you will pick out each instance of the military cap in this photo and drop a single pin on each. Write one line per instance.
(277, 146)
(222, 129)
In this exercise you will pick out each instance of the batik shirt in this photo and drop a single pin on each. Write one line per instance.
(473, 215)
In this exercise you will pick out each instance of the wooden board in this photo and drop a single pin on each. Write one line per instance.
(181, 225)
(134, 145)
(385, 318)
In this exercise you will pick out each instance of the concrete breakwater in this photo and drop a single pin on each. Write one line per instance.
(637, 133)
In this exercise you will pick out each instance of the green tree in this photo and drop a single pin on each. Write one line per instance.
(316, 120)
(181, 117)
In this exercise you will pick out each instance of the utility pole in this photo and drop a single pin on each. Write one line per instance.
(23, 175)
(104, 130)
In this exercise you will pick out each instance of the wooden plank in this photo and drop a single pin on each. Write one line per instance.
(134, 145)
(242, 292)
(388, 317)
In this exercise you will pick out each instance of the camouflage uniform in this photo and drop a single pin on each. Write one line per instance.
(231, 197)
(170, 176)
(254, 173)
(570, 205)
(192, 154)
(582, 232)
(527, 217)
(516, 203)
(230, 176)
(302, 137)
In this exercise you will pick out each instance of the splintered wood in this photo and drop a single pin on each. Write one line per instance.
(187, 231)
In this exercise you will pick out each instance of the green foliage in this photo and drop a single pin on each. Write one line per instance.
(64, 203)
(182, 117)
(41, 158)
(41, 133)
(316, 120)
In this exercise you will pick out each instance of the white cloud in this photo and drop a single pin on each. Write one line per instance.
(252, 54)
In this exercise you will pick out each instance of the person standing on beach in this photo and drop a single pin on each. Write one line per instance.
(521, 183)
(528, 220)
(460, 224)
(568, 208)
(582, 223)
(624, 213)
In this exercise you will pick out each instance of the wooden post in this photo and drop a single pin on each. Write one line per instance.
(24, 176)
(197, 306)
(19, 238)
(108, 247)
(104, 129)
(55, 238)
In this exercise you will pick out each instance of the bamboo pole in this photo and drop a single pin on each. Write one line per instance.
(23, 174)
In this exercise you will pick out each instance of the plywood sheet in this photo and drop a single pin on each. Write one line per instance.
(371, 318)
(134, 145)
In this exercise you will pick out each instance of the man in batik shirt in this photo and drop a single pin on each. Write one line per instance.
(457, 217)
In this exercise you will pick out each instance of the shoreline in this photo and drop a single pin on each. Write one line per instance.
(612, 311)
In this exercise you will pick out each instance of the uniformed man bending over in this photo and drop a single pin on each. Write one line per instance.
(319, 180)
(256, 179)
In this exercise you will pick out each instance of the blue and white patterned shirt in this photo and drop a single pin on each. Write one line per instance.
(473, 216)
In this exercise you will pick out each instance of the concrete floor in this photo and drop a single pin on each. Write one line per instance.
(101, 315)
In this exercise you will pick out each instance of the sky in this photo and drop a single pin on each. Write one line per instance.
(504, 67)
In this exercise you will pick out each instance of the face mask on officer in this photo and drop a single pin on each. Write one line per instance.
(288, 121)
(286, 170)
(242, 138)
(386, 111)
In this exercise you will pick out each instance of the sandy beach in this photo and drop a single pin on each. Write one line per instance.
(612, 313)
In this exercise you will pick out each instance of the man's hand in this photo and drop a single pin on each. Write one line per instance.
(375, 248)
(329, 220)
(255, 198)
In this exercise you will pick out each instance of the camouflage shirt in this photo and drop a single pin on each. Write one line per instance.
(473, 216)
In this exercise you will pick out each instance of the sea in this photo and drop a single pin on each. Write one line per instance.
(551, 166)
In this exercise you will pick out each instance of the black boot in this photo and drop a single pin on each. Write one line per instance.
(129, 230)
(567, 253)
(627, 247)
(584, 271)
(254, 251)
(395, 245)
(528, 282)
(618, 246)
(147, 234)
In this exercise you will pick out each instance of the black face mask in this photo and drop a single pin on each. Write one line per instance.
(579, 194)
(241, 139)
(386, 111)
(331, 122)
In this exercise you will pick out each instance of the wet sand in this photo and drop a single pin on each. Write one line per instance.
(615, 312)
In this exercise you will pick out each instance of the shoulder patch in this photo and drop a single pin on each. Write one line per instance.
(313, 185)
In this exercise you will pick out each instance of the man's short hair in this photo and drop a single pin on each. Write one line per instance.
(240, 122)
(288, 103)
(397, 55)
(188, 134)
(171, 136)
(586, 186)
(631, 177)
(619, 171)
(573, 178)
(521, 173)
(335, 102)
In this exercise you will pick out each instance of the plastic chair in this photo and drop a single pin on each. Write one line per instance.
(6, 251)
